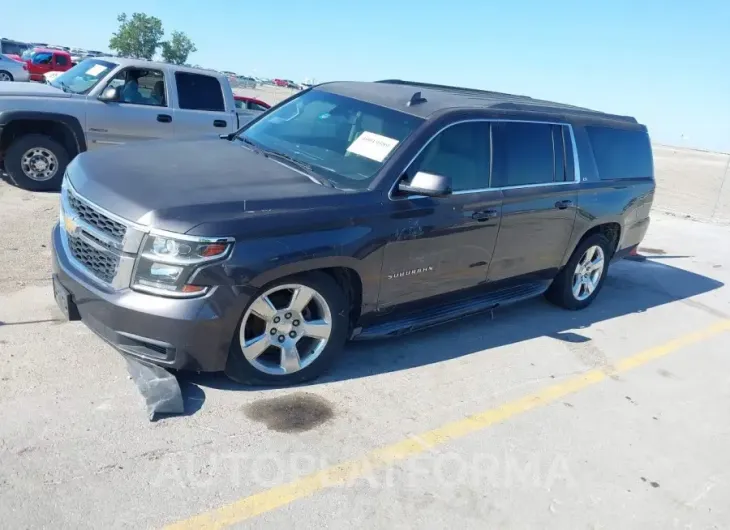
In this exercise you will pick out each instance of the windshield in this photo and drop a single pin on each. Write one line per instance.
(84, 76)
(343, 140)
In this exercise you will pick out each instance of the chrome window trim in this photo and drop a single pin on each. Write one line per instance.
(576, 164)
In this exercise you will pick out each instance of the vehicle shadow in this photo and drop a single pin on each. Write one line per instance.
(631, 287)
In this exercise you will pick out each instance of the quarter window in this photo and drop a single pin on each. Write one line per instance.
(460, 152)
(621, 154)
(199, 92)
(523, 154)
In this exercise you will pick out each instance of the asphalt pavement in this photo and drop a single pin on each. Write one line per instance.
(533, 417)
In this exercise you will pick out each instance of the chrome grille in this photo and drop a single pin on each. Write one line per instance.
(101, 264)
(95, 218)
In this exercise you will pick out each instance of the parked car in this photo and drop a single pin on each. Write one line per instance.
(50, 76)
(43, 60)
(106, 101)
(351, 211)
(12, 47)
(12, 69)
(250, 103)
(249, 108)
(281, 82)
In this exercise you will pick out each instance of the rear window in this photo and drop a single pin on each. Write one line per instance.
(621, 154)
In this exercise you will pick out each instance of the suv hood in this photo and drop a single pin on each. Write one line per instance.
(32, 89)
(176, 185)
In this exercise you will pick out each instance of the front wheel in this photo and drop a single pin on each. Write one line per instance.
(36, 162)
(291, 332)
(5, 76)
(580, 281)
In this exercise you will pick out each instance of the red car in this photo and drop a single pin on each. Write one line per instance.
(43, 60)
(249, 103)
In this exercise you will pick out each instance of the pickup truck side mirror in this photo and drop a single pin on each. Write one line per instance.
(111, 94)
(426, 184)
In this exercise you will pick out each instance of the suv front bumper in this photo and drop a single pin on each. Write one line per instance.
(193, 333)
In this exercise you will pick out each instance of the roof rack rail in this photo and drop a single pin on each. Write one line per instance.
(448, 88)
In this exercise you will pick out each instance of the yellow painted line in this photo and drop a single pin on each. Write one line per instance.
(279, 496)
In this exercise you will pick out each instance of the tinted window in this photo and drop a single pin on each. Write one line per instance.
(61, 60)
(523, 154)
(199, 92)
(621, 154)
(460, 152)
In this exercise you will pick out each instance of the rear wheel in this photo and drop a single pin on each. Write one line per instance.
(36, 162)
(5, 76)
(580, 281)
(290, 332)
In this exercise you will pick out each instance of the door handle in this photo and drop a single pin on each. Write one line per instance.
(562, 205)
(164, 118)
(484, 215)
(219, 123)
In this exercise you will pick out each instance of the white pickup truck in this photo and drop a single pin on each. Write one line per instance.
(107, 101)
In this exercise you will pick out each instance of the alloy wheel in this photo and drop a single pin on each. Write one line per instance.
(588, 272)
(285, 329)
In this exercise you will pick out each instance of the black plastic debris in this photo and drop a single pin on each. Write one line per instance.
(159, 388)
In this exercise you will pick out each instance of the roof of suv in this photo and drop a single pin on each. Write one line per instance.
(424, 99)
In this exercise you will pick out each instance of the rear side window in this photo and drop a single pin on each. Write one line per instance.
(199, 92)
(61, 60)
(522, 154)
(621, 154)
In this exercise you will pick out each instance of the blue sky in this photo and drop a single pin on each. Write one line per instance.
(667, 62)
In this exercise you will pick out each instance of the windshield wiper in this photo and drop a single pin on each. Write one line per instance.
(308, 168)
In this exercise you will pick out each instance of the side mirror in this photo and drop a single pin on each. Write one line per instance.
(111, 94)
(427, 184)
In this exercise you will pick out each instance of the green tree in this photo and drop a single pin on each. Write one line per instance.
(177, 49)
(137, 37)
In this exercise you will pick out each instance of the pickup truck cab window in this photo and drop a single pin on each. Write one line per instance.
(141, 87)
(84, 76)
(199, 92)
(344, 140)
(61, 60)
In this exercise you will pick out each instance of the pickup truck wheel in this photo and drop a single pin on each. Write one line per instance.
(36, 162)
(290, 332)
(579, 282)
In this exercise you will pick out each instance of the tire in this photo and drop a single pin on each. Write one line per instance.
(252, 372)
(58, 159)
(561, 291)
(6, 76)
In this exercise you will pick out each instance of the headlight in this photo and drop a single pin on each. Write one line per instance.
(165, 264)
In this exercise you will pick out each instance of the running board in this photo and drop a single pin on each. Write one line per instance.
(440, 315)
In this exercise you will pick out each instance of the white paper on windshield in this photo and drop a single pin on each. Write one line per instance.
(96, 69)
(373, 146)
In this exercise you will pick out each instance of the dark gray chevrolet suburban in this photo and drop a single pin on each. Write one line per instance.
(349, 211)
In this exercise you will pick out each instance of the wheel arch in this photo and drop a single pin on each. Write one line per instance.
(63, 128)
(611, 229)
(344, 270)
